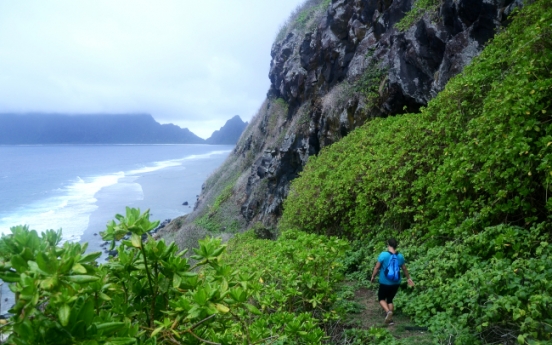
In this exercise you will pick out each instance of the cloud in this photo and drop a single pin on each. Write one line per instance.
(192, 63)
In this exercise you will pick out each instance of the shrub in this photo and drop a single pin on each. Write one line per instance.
(418, 10)
(150, 294)
(463, 184)
(305, 18)
(478, 155)
(299, 271)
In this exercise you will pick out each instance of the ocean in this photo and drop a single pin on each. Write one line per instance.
(79, 188)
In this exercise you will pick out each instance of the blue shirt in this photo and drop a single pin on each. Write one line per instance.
(384, 258)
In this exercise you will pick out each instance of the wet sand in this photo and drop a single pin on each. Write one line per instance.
(162, 191)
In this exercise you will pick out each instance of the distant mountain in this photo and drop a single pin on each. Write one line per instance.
(17, 129)
(229, 133)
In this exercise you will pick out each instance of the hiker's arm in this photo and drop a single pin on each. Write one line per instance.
(376, 269)
(410, 281)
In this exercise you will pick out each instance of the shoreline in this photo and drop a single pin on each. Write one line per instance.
(162, 191)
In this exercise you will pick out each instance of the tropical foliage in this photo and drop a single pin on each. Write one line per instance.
(150, 294)
(464, 183)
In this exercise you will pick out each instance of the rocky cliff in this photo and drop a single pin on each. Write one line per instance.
(336, 65)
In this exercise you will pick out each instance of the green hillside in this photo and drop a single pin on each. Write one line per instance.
(464, 185)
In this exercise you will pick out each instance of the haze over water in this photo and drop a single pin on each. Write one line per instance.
(61, 186)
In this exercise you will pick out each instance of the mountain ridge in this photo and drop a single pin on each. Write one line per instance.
(139, 128)
(229, 133)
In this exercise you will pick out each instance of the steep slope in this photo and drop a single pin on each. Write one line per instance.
(335, 66)
(353, 65)
(463, 185)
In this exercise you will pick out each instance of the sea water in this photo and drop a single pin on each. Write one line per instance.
(55, 186)
(79, 188)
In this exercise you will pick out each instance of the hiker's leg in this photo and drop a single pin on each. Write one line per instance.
(382, 297)
(391, 295)
(384, 305)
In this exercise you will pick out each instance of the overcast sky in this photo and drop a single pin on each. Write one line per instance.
(192, 63)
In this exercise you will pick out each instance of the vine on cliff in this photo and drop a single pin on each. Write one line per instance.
(418, 10)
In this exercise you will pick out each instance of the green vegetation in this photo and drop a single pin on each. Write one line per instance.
(218, 218)
(305, 18)
(278, 114)
(218, 211)
(464, 185)
(368, 84)
(419, 9)
(149, 293)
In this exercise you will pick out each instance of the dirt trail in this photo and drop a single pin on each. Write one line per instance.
(372, 315)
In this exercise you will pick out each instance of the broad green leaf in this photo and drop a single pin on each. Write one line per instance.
(43, 262)
(157, 330)
(63, 313)
(120, 341)
(136, 240)
(222, 308)
(9, 277)
(109, 327)
(19, 263)
(252, 309)
(49, 282)
(78, 268)
(90, 257)
(177, 280)
(82, 279)
(104, 297)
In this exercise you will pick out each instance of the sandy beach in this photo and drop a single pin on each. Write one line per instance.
(163, 192)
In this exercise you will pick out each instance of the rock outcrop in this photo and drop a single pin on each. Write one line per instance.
(358, 33)
(352, 65)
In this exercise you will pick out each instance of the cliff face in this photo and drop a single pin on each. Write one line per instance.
(334, 69)
(357, 34)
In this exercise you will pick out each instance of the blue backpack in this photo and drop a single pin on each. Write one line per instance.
(392, 271)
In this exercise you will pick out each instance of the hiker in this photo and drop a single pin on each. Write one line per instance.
(390, 278)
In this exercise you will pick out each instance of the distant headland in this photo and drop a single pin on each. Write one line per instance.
(36, 128)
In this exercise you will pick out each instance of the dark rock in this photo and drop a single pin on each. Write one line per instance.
(113, 253)
(185, 203)
(354, 36)
(95, 234)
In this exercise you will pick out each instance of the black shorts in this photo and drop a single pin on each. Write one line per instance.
(387, 292)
